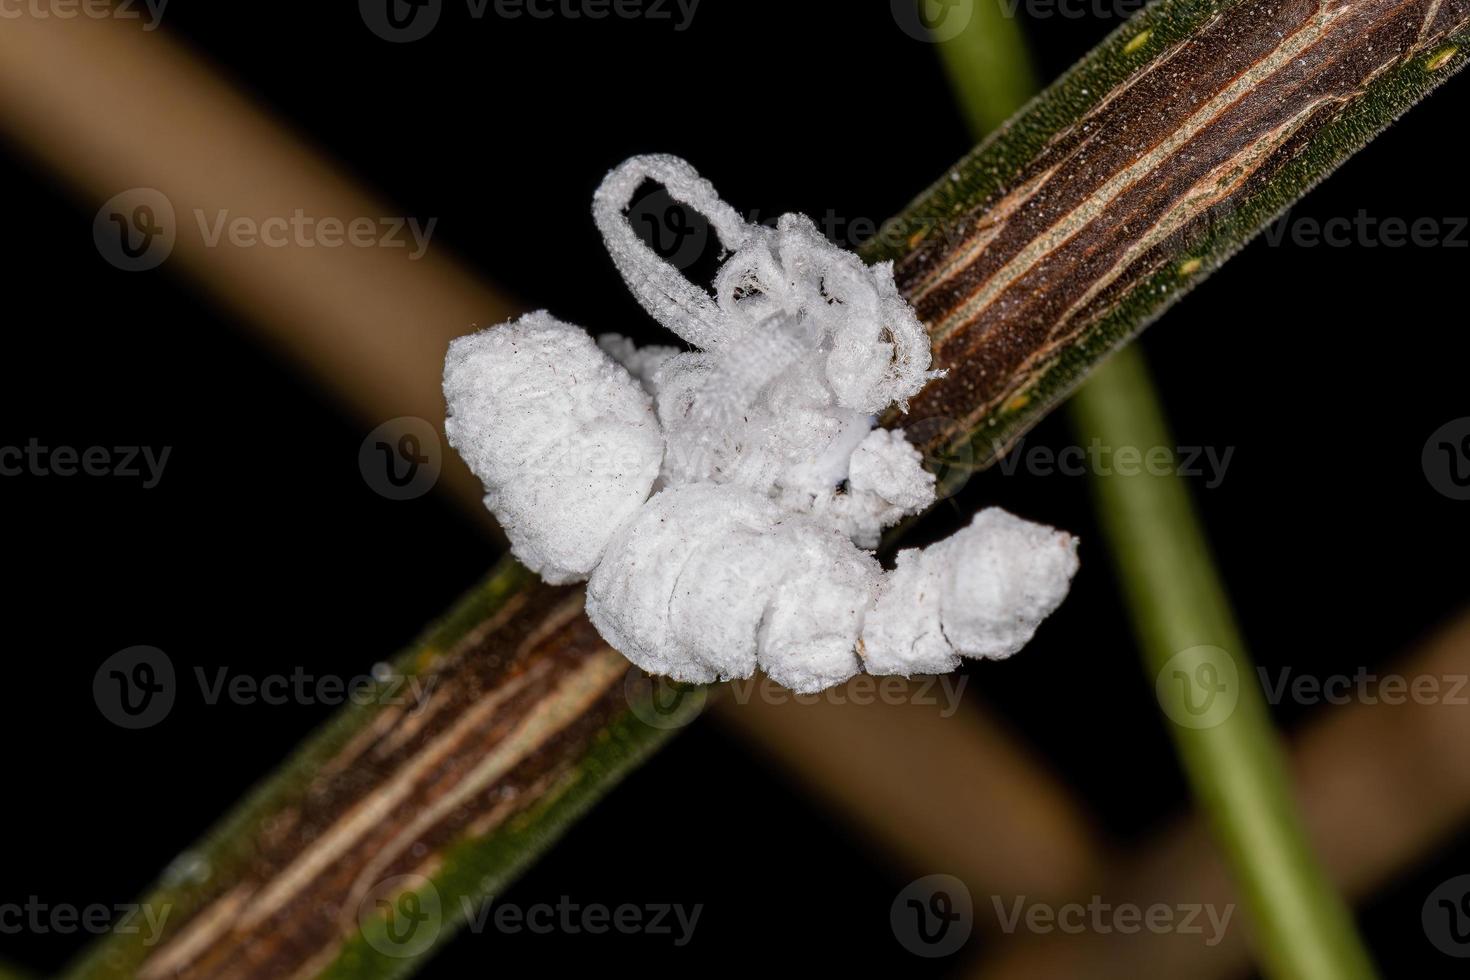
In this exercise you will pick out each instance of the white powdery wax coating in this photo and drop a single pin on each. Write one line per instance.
(887, 465)
(710, 580)
(1008, 575)
(902, 633)
(800, 346)
(772, 476)
(632, 595)
(641, 362)
(809, 638)
(980, 593)
(721, 600)
(565, 441)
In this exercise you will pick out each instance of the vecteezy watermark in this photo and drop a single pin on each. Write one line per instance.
(948, 454)
(385, 453)
(401, 917)
(137, 230)
(302, 230)
(1101, 917)
(1446, 917)
(933, 916)
(401, 458)
(666, 704)
(143, 463)
(1072, 9)
(1446, 459)
(662, 703)
(672, 920)
(137, 688)
(1364, 230)
(150, 12)
(124, 919)
(938, 21)
(1207, 463)
(403, 21)
(942, 692)
(1364, 686)
(1198, 687)
(134, 688)
(680, 235)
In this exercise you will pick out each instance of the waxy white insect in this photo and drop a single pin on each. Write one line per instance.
(719, 500)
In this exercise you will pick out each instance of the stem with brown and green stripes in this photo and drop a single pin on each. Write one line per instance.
(1182, 617)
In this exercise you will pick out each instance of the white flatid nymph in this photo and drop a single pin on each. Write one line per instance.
(719, 501)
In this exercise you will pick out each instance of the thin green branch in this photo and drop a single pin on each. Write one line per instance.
(1207, 687)
(988, 66)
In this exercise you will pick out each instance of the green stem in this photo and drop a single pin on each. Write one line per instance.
(1182, 617)
(989, 68)
(1207, 686)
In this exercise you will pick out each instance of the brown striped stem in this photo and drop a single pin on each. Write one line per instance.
(529, 716)
(1133, 177)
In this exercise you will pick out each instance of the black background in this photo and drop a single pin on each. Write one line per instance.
(262, 549)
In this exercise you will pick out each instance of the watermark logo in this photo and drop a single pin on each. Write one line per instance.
(1364, 230)
(935, 21)
(1446, 459)
(678, 234)
(401, 458)
(150, 12)
(401, 21)
(401, 916)
(1199, 687)
(662, 703)
(1072, 9)
(1446, 917)
(1364, 687)
(134, 688)
(137, 688)
(571, 918)
(136, 229)
(302, 230)
(1205, 463)
(950, 456)
(1101, 917)
(142, 463)
(933, 916)
(41, 918)
(942, 692)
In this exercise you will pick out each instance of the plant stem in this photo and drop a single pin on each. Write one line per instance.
(1132, 178)
(1233, 758)
(1236, 767)
(989, 68)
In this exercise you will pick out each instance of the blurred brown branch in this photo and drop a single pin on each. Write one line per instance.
(109, 108)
